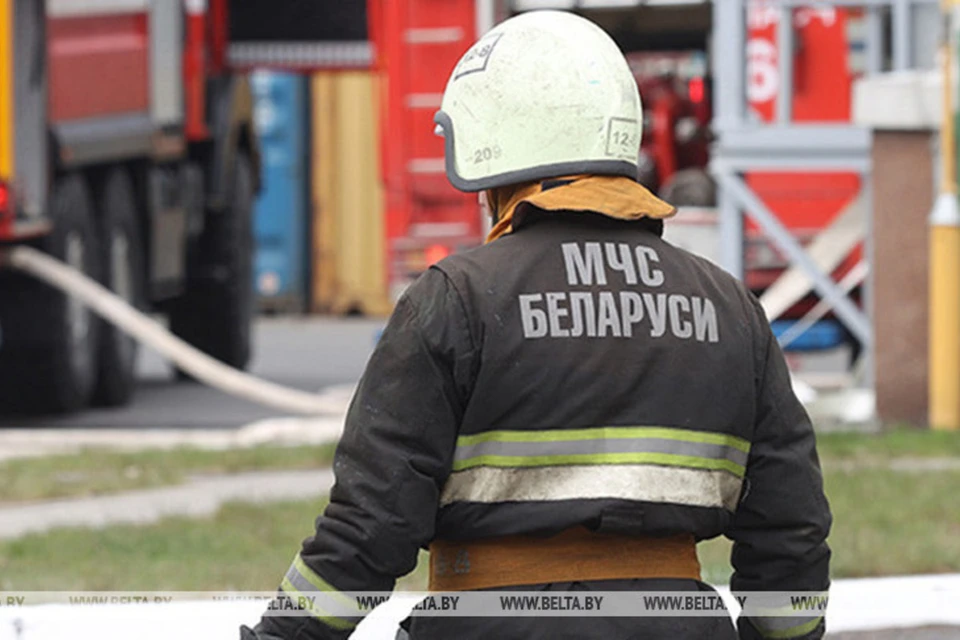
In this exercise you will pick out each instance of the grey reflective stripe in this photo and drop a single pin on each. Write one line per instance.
(619, 445)
(642, 482)
(602, 445)
(300, 580)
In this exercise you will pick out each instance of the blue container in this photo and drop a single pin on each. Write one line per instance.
(824, 334)
(281, 221)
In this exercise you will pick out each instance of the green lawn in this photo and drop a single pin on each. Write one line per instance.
(901, 442)
(97, 472)
(243, 547)
(885, 523)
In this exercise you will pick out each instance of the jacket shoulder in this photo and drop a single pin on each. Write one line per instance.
(740, 300)
(706, 266)
(484, 258)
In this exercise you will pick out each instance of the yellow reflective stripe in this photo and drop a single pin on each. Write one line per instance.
(311, 576)
(305, 603)
(6, 91)
(319, 584)
(608, 433)
(790, 632)
(665, 459)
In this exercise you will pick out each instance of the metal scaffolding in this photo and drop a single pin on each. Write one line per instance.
(746, 145)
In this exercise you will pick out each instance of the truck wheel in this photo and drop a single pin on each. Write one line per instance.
(690, 188)
(48, 357)
(122, 260)
(216, 312)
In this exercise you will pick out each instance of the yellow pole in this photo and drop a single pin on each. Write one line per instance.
(6, 90)
(944, 355)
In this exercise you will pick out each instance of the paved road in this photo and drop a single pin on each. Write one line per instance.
(308, 354)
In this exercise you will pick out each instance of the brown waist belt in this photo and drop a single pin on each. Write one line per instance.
(573, 555)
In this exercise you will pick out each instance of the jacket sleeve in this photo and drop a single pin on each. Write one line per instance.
(783, 519)
(391, 462)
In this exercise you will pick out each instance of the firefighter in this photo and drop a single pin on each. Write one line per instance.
(573, 405)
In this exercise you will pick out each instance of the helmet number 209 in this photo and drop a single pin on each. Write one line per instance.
(487, 153)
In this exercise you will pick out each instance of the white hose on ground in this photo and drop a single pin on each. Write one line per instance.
(147, 331)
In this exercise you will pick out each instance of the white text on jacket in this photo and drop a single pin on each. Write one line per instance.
(616, 313)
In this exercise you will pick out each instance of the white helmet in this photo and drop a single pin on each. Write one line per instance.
(542, 95)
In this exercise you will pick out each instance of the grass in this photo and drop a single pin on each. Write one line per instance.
(891, 524)
(243, 547)
(898, 442)
(885, 524)
(97, 472)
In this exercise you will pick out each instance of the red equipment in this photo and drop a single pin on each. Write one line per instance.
(823, 75)
(676, 136)
(419, 42)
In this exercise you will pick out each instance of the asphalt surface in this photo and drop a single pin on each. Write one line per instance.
(305, 353)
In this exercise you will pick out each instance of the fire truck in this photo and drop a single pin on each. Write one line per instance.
(676, 125)
(126, 150)
(418, 43)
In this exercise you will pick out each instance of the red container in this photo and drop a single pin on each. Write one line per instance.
(823, 78)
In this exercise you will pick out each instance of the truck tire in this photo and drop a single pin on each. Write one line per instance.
(215, 313)
(122, 261)
(690, 188)
(49, 349)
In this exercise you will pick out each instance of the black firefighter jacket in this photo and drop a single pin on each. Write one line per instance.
(580, 370)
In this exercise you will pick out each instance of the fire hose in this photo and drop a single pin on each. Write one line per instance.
(149, 332)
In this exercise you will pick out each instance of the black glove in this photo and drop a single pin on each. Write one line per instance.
(246, 633)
